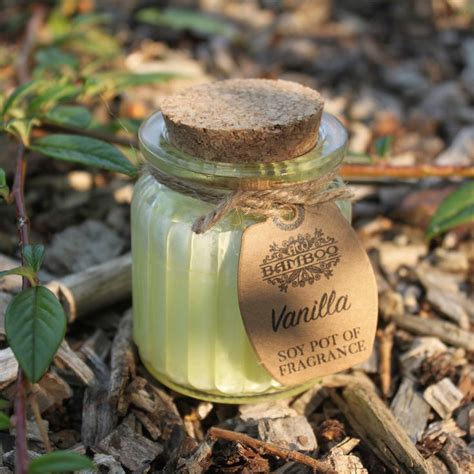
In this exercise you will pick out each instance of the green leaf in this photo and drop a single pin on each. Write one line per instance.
(58, 24)
(117, 81)
(90, 19)
(4, 421)
(91, 41)
(60, 461)
(383, 145)
(126, 124)
(357, 157)
(21, 128)
(55, 59)
(35, 325)
(51, 96)
(124, 79)
(182, 19)
(85, 151)
(33, 256)
(70, 115)
(19, 93)
(4, 189)
(454, 210)
(23, 271)
(4, 404)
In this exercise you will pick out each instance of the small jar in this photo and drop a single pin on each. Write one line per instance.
(187, 323)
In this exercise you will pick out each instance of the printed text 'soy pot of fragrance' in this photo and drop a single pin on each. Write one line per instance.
(248, 279)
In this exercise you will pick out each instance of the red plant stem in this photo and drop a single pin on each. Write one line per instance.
(18, 194)
(34, 24)
(21, 462)
(349, 171)
(23, 233)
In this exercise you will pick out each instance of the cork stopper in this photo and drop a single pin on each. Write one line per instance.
(244, 120)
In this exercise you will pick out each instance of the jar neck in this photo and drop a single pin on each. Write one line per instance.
(324, 158)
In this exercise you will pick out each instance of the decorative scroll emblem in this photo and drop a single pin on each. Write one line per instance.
(300, 260)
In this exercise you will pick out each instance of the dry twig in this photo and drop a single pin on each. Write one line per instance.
(261, 446)
(386, 346)
(39, 421)
(417, 171)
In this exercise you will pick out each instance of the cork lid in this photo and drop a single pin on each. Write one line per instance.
(244, 120)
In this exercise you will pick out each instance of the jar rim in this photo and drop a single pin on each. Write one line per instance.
(326, 155)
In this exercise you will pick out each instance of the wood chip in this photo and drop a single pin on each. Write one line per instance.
(456, 456)
(391, 304)
(447, 332)
(293, 433)
(96, 346)
(51, 390)
(448, 305)
(109, 462)
(82, 246)
(465, 419)
(9, 367)
(293, 468)
(330, 432)
(346, 445)
(96, 287)
(131, 449)
(442, 291)
(9, 283)
(148, 424)
(393, 256)
(439, 430)
(33, 432)
(466, 381)
(200, 460)
(67, 357)
(437, 466)
(347, 464)
(98, 416)
(371, 365)
(5, 298)
(421, 348)
(122, 363)
(410, 409)
(203, 409)
(162, 411)
(443, 396)
(376, 425)
(258, 411)
(310, 400)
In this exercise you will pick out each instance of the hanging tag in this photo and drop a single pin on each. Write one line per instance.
(307, 295)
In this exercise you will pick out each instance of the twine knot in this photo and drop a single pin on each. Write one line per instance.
(266, 202)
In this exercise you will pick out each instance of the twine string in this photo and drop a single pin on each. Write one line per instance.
(267, 202)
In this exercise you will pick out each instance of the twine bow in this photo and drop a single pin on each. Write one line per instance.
(267, 202)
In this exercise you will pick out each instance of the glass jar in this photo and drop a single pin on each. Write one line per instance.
(187, 322)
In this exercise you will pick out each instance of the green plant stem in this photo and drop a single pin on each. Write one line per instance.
(23, 232)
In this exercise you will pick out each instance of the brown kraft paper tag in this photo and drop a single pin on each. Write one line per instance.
(307, 295)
